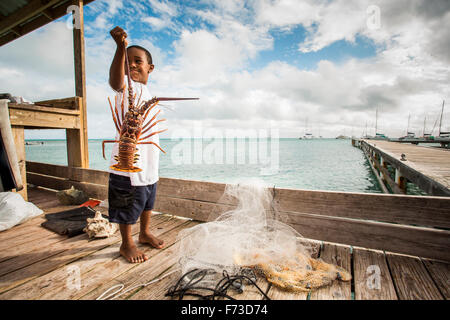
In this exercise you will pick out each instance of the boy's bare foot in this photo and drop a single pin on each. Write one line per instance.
(151, 240)
(132, 254)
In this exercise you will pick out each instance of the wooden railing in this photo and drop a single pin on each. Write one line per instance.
(415, 225)
(404, 172)
(67, 113)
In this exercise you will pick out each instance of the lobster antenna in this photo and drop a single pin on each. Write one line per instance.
(130, 89)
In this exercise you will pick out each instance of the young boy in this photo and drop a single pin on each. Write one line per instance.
(131, 195)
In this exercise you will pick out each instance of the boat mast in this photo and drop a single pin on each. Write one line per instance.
(424, 120)
(440, 121)
(407, 129)
(376, 121)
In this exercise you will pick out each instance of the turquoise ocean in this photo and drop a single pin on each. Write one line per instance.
(313, 164)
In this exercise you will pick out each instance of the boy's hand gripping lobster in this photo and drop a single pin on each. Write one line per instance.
(131, 128)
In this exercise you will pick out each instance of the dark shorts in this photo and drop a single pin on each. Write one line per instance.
(127, 202)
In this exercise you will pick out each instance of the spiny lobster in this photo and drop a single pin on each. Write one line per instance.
(131, 129)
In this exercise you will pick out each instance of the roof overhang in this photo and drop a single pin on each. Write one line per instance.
(19, 17)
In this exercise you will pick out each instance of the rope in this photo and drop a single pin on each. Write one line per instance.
(235, 282)
(113, 295)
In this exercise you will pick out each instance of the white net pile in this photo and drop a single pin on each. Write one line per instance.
(250, 234)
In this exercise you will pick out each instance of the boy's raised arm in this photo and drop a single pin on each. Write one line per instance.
(117, 69)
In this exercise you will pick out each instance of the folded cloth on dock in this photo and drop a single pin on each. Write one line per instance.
(69, 222)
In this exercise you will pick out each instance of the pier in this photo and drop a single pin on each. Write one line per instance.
(394, 164)
(405, 237)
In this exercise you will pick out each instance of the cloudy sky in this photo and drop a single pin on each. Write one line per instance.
(259, 64)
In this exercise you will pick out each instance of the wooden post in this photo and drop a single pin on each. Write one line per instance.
(400, 180)
(19, 141)
(384, 165)
(77, 139)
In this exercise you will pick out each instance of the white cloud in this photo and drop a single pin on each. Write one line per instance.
(157, 23)
(286, 13)
(164, 7)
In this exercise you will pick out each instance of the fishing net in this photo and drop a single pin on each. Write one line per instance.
(248, 232)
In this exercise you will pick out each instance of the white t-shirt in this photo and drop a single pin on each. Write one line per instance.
(148, 154)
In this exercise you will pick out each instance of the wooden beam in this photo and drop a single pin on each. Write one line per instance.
(30, 116)
(387, 178)
(19, 140)
(425, 242)
(77, 141)
(23, 14)
(372, 162)
(403, 209)
(93, 190)
(44, 109)
(70, 103)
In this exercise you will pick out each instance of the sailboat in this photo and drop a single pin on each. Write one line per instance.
(409, 134)
(307, 134)
(443, 134)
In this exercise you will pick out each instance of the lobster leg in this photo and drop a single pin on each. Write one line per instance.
(121, 105)
(145, 130)
(151, 142)
(152, 134)
(150, 108)
(103, 146)
(139, 100)
(116, 121)
(148, 123)
(117, 115)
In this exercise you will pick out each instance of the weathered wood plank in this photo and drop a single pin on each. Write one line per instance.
(158, 290)
(197, 210)
(440, 272)
(48, 169)
(413, 210)
(372, 278)
(67, 251)
(76, 174)
(121, 271)
(19, 141)
(425, 242)
(411, 278)
(45, 109)
(37, 118)
(70, 103)
(277, 294)
(250, 292)
(92, 268)
(165, 262)
(404, 209)
(50, 275)
(338, 290)
(93, 190)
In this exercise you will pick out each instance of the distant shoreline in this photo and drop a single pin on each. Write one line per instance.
(101, 139)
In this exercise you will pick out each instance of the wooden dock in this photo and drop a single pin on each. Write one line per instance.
(36, 263)
(396, 163)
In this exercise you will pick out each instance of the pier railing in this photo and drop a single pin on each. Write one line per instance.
(428, 169)
(415, 225)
